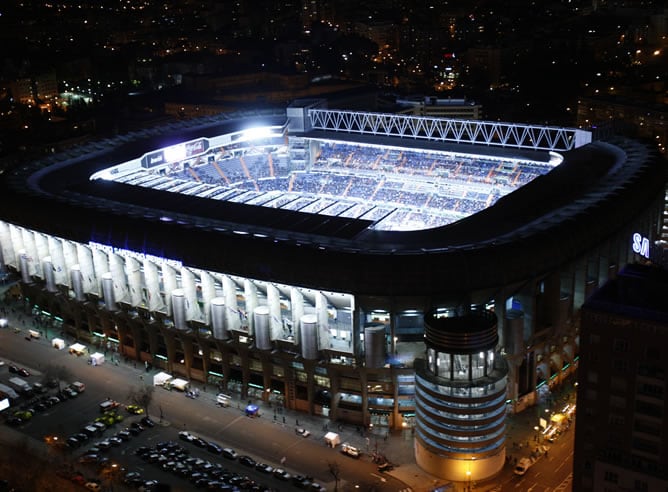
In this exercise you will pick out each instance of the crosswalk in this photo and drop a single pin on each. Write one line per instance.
(566, 485)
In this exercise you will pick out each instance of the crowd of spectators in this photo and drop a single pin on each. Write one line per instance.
(396, 188)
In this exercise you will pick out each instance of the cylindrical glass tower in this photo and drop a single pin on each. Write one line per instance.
(461, 398)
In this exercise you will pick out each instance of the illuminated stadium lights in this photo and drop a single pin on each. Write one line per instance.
(257, 133)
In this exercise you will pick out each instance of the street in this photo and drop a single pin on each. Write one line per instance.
(262, 438)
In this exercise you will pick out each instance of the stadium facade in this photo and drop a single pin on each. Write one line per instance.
(402, 273)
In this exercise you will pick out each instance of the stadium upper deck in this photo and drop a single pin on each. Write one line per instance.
(556, 216)
(394, 188)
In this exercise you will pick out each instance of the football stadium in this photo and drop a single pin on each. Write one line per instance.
(403, 273)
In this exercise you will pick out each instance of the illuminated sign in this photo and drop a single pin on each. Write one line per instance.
(175, 153)
(126, 253)
(153, 159)
(640, 245)
(197, 147)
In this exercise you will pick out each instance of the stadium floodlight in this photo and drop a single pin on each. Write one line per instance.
(175, 153)
(257, 132)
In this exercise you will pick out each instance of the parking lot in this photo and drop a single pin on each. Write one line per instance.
(105, 442)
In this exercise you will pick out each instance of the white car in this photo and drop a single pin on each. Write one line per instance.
(93, 486)
(281, 474)
(186, 436)
(302, 432)
(350, 450)
(230, 453)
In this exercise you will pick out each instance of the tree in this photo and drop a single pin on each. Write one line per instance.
(56, 373)
(142, 396)
(335, 471)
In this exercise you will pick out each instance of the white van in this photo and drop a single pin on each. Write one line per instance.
(223, 400)
(78, 386)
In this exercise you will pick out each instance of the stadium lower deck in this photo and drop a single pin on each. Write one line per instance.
(395, 188)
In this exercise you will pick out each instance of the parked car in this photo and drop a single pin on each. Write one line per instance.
(38, 388)
(78, 478)
(23, 414)
(229, 453)
(142, 450)
(69, 392)
(199, 442)
(146, 421)
(264, 468)
(23, 372)
(301, 481)
(104, 444)
(124, 434)
(81, 437)
(108, 404)
(89, 458)
(53, 400)
(73, 442)
(13, 369)
(134, 409)
(349, 450)
(135, 431)
(212, 447)
(99, 425)
(282, 474)
(41, 406)
(133, 478)
(302, 432)
(247, 461)
(186, 436)
(14, 421)
(135, 425)
(91, 430)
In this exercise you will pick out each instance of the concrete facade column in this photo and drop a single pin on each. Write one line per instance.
(335, 388)
(580, 283)
(549, 300)
(206, 357)
(170, 345)
(364, 380)
(309, 368)
(187, 346)
(250, 295)
(297, 301)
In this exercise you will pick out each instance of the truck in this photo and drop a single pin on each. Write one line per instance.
(108, 404)
(78, 386)
(20, 385)
(6, 391)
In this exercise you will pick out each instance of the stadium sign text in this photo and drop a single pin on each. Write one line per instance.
(640, 245)
(197, 147)
(126, 253)
(153, 159)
